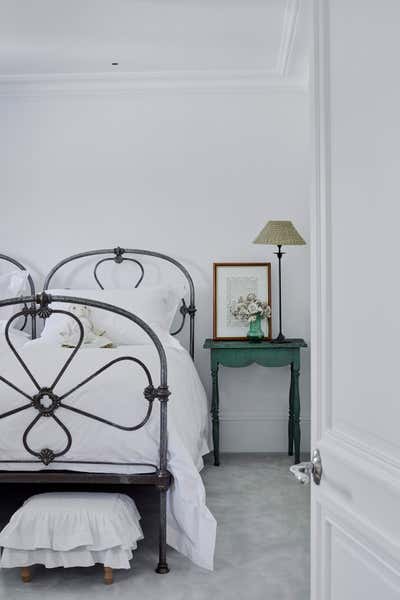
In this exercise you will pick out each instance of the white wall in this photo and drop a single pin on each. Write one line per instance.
(192, 174)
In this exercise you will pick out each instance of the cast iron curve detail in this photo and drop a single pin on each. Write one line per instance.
(119, 259)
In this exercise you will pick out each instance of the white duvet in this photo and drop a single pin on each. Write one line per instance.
(117, 395)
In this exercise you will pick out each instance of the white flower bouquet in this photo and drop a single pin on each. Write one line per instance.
(249, 308)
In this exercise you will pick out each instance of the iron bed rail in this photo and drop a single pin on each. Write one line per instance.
(46, 402)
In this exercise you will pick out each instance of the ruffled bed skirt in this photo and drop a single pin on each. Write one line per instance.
(116, 558)
(72, 530)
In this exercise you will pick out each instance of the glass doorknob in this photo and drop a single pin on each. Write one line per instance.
(305, 470)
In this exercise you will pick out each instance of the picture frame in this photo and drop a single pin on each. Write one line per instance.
(230, 281)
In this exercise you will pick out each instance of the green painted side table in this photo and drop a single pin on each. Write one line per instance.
(266, 354)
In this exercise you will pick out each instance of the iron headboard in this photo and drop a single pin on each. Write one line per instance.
(119, 256)
(32, 289)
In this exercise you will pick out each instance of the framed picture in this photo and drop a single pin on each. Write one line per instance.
(233, 282)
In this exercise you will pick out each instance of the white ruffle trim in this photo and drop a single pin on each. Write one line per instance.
(116, 558)
(72, 529)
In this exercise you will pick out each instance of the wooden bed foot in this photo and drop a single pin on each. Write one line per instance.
(108, 575)
(26, 574)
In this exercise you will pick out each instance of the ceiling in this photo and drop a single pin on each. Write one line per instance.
(245, 39)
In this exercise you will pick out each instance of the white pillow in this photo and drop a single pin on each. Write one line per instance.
(18, 338)
(12, 284)
(156, 306)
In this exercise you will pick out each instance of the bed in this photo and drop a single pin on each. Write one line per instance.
(134, 413)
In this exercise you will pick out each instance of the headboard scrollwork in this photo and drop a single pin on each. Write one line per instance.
(119, 255)
(118, 259)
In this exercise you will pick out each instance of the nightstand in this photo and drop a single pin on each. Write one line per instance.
(267, 354)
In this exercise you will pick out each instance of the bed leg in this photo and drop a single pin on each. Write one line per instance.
(26, 574)
(108, 575)
(162, 566)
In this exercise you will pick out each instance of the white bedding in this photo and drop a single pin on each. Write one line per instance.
(117, 395)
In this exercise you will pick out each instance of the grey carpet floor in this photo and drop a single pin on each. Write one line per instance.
(262, 547)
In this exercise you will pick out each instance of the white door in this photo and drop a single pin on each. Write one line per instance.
(356, 301)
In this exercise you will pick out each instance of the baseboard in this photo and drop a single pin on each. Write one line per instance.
(259, 432)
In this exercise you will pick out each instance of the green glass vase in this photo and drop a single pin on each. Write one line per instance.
(255, 333)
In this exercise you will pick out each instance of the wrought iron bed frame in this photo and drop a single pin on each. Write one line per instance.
(46, 401)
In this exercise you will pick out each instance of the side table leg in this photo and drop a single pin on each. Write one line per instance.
(215, 413)
(291, 420)
(296, 413)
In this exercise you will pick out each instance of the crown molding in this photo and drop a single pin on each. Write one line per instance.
(207, 80)
(117, 83)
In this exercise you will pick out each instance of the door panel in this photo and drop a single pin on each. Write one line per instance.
(355, 300)
(353, 561)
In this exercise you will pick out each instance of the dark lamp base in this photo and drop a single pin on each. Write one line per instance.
(280, 339)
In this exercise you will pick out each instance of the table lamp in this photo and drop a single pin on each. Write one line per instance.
(279, 233)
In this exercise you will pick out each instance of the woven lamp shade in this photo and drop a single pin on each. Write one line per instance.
(279, 233)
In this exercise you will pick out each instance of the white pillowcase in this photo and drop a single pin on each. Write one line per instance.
(18, 338)
(156, 306)
(12, 284)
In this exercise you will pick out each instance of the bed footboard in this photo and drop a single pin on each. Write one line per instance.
(45, 403)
